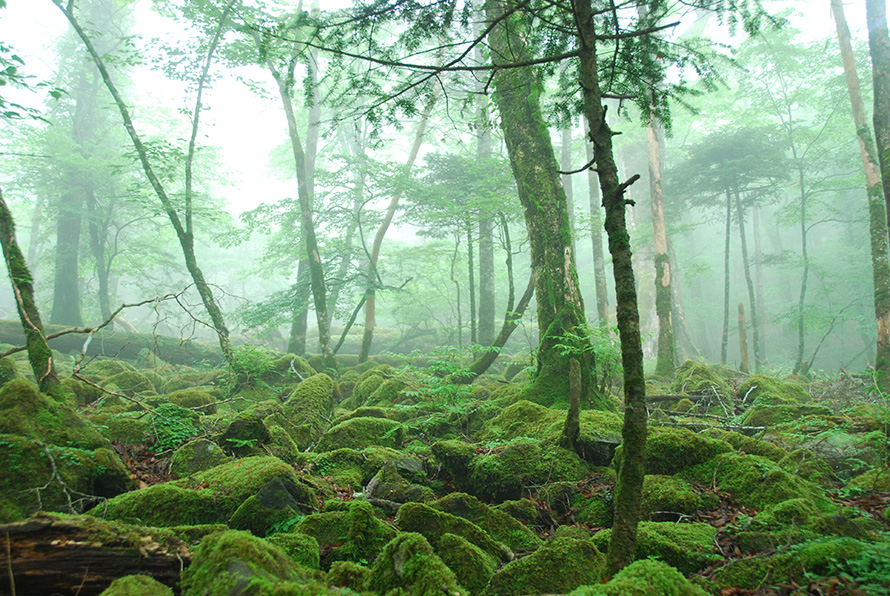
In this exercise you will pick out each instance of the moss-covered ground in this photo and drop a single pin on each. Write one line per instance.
(384, 479)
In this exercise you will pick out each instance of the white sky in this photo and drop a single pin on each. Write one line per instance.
(243, 125)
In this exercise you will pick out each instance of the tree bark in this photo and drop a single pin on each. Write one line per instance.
(752, 300)
(299, 322)
(471, 280)
(561, 320)
(633, 468)
(596, 236)
(664, 366)
(744, 364)
(724, 341)
(879, 46)
(98, 239)
(66, 287)
(39, 354)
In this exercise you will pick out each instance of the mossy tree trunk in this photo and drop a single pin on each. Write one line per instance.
(39, 354)
(630, 477)
(561, 320)
(879, 47)
(596, 237)
(875, 194)
(184, 232)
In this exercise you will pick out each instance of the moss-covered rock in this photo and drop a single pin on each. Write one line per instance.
(522, 510)
(302, 548)
(279, 500)
(688, 547)
(136, 585)
(772, 415)
(84, 394)
(364, 388)
(786, 514)
(355, 468)
(697, 377)
(644, 578)
(672, 495)
(388, 484)
(101, 370)
(498, 524)
(163, 505)
(352, 534)
(764, 390)
(359, 433)
(472, 566)
(877, 480)
(25, 411)
(754, 481)
(35, 476)
(387, 393)
(235, 563)
(126, 427)
(558, 567)
(346, 574)
(195, 456)
(409, 564)
(433, 524)
(311, 403)
(672, 450)
(746, 444)
(131, 383)
(194, 398)
(245, 434)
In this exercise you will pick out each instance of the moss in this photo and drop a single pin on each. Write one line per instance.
(358, 433)
(126, 429)
(672, 450)
(764, 390)
(688, 547)
(100, 370)
(674, 495)
(302, 548)
(311, 403)
(546, 570)
(245, 434)
(164, 505)
(409, 563)
(390, 485)
(755, 481)
(877, 480)
(364, 388)
(194, 398)
(790, 513)
(10, 512)
(281, 444)
(694, 377)
(363, 412)
(810, 466)
(354, 534)
(644, 578)
(527, 419)
(27, 480)
(227, 563)
(346, 574)
(772, 415)
(136, 585)
(498, 524)
(195, 456)
(433, 524)
(747, 444)
(470, 564)
(131, 383)
(352, 467)
(25, 411)
(242, 478)
(387, 393)
(523, 510)
(193, 534)
(84, 394)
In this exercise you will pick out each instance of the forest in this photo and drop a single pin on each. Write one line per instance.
(425, 297)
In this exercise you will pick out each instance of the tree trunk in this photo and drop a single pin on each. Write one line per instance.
(471, 280)
(744, 364)
(879, 46)
(664, 366)
(724, 341)
(184, 234)
(633, 468)
(299, 322)
(486, 281)
(372, 276)
(98, 238)
(66, 287)
(565, 164)
(596, 237)
(39, 354)
(752, 301)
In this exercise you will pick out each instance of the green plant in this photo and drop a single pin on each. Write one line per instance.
(602, 341)
(173, 425)
(284, 526)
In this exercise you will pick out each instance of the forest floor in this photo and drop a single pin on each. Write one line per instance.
(145, 477)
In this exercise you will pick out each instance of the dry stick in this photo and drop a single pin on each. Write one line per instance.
(9, 566)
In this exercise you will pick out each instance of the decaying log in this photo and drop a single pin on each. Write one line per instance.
(51, 554)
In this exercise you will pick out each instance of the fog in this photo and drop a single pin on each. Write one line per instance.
(762, 122)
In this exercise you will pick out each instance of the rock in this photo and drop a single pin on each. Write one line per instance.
(644, 578)
(409, 563)
(359, 433)
(195, 456)
(433, 524)
(136, 585)
(559, 566)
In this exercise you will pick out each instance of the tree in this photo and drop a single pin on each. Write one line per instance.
(873, 175)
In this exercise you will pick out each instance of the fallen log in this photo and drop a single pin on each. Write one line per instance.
(52, 554)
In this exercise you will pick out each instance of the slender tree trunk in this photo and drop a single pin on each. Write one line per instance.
(596, 236)
(471, 279)
(98, 248)
(664, 366)
(486, 222)
(299, 323)
(561, 317)
(373, 279)
(565, 164)
(724, 341)
(752, 301)
(633, 467)
(39, 354)
(744, 364)
(758, 262)
(454, 280)
(800, 366)
(66, 289)
(183, 233)
(879, 46)
(34, 240)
